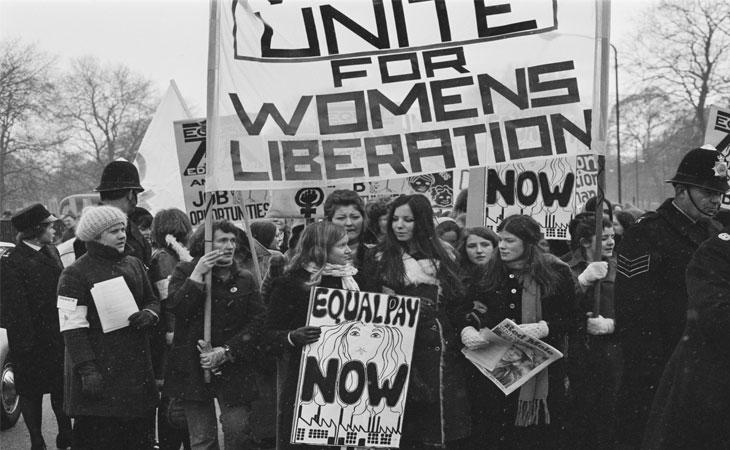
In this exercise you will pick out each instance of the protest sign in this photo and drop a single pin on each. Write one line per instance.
(550, 191)
(191, 150)
(512, 357)
(353, 381)
(717, 134)
(328, 92)
(307, 202)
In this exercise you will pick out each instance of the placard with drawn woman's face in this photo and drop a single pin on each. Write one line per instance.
(356, 374)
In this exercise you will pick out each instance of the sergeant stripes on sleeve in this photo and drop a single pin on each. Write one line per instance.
(633, 267)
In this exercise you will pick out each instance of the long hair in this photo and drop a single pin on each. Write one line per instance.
(539, 265)
(424, 243)
(170, 221)
(462, 259)
(314, 247)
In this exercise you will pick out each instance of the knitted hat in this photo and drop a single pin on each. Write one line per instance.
(524, 227)
(95, 219)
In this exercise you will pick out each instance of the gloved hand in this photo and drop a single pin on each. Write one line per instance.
(471, 338)
(537, 330)
(595, 271)
(213, 358)
(305, 335)
(600, 325)
(92, 383)
(142, 319)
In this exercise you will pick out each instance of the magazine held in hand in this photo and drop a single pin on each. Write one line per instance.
(511, 357)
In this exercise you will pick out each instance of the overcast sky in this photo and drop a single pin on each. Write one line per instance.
(161, 39)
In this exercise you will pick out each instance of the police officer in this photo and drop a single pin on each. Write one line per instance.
(651, 296)
(119, 187)
(30, 273)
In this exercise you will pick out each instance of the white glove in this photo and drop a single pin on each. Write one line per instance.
(600, 325)
(471, 338)
(595, 271)
(537, 330)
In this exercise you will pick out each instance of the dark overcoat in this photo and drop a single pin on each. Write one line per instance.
(236, 310)
(594, 365)
(123, 357)
(651, 304)
(692, 405)
(559, 311)
(437, 404)
(287, 310)
(29, 279)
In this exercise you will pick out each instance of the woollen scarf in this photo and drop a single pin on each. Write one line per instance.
(534, 393)
(345, 272)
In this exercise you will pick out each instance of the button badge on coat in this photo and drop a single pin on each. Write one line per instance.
(234, 289)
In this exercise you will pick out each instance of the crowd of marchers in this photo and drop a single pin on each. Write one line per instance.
(643, 324)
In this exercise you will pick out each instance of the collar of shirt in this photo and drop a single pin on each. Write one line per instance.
(33, 246)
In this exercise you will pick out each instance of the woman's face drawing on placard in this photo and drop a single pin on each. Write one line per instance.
(363, 340)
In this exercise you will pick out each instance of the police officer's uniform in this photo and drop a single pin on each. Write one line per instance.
(651, 295)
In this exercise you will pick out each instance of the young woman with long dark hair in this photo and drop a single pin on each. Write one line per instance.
(412, 260)
(533, 289)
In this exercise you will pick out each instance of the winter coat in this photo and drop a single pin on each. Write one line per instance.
(162, 265)
(437, 405)
(498, 412)
(287, 311)
(235, 311)
(691, 408)
(122, 357)
(29, 279)
(651, 304)
(594, 365)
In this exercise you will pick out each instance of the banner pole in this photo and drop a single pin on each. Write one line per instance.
(211, 111)
(252, 246)
(599, 126)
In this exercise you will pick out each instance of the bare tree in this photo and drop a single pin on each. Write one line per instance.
(26, 91)
(684, 49)
(107, 108)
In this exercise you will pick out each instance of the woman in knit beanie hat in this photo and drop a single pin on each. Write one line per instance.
(97, 219)
(109, 380)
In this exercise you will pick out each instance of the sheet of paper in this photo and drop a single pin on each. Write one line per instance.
(114, 303)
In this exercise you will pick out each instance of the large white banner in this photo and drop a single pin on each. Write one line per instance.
(328, 92)
(307, 202)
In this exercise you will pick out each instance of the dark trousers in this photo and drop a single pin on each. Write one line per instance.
(110, 433)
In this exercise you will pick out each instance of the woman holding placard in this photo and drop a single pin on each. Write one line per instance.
(534, 289)
(411, 260)
(322, 258)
